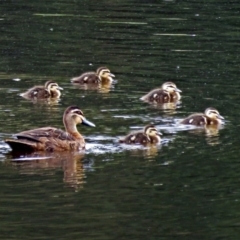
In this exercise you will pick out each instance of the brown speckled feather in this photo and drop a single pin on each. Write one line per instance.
(142, 137)
(48, 139)
(167, 93)
(36, 92)
(197, 119)
(211, 116)
(160, 96)
(136, 138)
(88, 77)
(52, 139)
(102, 75)
(49, 90)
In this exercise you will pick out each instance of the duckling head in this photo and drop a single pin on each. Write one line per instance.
(104, 73)
(213, 113)
(53, 87)
(170, 87)
(151, 131)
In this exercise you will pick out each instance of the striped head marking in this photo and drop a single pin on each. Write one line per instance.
(151, 131)
(52, 86)
(213, 113)
(104, 72)
(76, 114)
(170, 87)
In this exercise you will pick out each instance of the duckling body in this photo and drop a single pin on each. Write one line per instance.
(149, 135)
(49, 90)
(210, 117)
(51, 139)
(36, 92)
(167, 93)
(102, 75)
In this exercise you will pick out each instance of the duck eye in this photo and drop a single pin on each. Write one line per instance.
(77, 112)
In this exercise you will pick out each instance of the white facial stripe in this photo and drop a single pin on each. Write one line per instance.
(213, 112)
(77, 111)
(103, 71)
(152, 130)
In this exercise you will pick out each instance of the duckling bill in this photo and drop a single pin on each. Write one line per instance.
(167, 93)
(50, 139)
(102, 75)
(49, 90)
(210, 117)
(149, 135)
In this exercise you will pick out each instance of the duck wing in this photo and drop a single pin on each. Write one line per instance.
(88, 77)
(157, 95)
(42, 139)
(36, 92)
(38, 134)
(135, 138)
(197, 119)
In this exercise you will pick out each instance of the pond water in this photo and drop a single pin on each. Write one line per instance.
(185, 188)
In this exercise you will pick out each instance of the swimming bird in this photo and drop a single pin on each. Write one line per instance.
(148, 135)
(49, 90)
(167, 93)
(51, 139)
(210, 117)
(102, 75)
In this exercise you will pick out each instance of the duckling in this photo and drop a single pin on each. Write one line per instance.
(211, 117)
(167, 93)
(148, 135)
(102, 75)
(50, 139)
(49, 90)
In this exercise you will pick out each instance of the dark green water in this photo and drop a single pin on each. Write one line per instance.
(186, 189)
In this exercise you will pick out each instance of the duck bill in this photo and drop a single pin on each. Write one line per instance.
(87, 123)
(60, 88)
(177, 90)
(221, 117)
(111, 75)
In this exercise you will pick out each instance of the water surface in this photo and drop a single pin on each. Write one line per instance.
(187, 188)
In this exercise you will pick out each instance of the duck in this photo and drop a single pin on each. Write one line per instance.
(50, 139)
(210, 117)
(149, 135)
(49, 90)
(102, 75)
(167, 93)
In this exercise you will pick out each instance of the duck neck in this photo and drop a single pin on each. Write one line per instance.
(106, 80)
(55, 94)
(175, 95)
(71, 128)
(155, 139)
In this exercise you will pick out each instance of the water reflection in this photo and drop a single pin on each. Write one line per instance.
(99, 87)
(112, 146)
(211, 133)
(70, 163)
(167, 106)
(47, 101)
(148, 152)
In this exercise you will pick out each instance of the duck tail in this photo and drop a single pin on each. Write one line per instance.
(21, 145)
